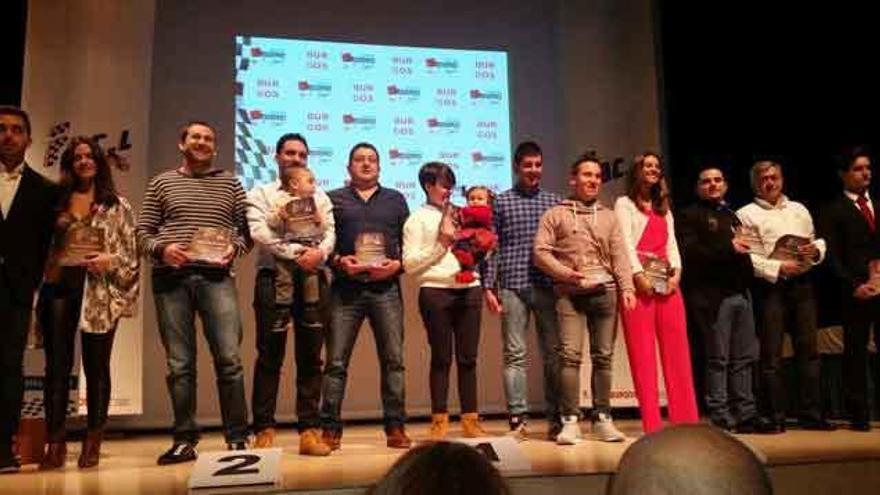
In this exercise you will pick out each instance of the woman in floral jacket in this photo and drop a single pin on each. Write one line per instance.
(86, 288)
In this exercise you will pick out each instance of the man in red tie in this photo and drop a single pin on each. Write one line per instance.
(849, 227)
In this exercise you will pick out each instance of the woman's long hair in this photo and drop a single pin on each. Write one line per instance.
(105, 190)
(659, 193)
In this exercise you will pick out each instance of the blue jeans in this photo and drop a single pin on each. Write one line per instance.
(514, 324)
(731, 352)
(383, 307)
(179, 297)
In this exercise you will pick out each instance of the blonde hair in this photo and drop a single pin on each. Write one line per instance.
(759, 168)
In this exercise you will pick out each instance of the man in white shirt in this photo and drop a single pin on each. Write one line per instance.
(27, 217)
(784, 297)
(273, 318)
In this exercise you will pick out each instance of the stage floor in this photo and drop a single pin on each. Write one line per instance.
(129, 465)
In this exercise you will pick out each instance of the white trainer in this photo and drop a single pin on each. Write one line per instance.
(604, 429)
(519, 432)
(571, 431)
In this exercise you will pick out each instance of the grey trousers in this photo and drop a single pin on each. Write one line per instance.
(579, 314)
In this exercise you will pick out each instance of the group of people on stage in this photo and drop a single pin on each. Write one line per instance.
(573, 263)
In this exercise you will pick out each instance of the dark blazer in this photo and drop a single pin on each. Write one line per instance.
(851, 245)
(25, 234)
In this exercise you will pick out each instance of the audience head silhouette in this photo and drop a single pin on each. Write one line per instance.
(442, 468)
(689, 460)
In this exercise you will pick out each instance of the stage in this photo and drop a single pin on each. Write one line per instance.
(799, 462)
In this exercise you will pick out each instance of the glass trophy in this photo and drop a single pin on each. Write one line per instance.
(874, 276)
(369, 248)
(301, 219)
(210, 245)
(594, 273)
(786, 248)
(82, 242)
(657, 270)
(748, 235)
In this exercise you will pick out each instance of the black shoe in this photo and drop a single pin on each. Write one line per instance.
(179, 452)
(8, 462)
(746, 426)
(236, 446)
(722, 424)
(554, 429)
(766, 426)
(816, 425)
(860, 425)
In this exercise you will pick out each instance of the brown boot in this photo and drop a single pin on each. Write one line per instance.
(91, 449)
(332, 439)
(56, 452)
(439, 427)
(471, 427)
(265, 438)
(396, 438)
(310, 443)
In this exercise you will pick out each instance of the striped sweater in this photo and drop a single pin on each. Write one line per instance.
(176, 204)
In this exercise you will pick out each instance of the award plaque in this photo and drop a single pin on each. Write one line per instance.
(594, 273)
(874, 275)
(301, 219)
(657, 270)
(80, 243)
(210, 245)
(369, 248)
(749, 236)
(786, 248)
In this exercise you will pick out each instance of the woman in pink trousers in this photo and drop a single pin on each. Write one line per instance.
(659, 316)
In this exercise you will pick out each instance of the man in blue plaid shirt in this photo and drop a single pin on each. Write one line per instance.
(514, 287)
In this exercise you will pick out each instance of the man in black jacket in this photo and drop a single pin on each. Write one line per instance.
(849, 226)
(716, 287)
(27, 204)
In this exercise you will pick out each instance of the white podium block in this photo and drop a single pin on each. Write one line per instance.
(236, 468)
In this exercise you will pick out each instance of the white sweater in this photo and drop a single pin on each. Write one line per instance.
(432, 264)
(773, 222)
(632, 224)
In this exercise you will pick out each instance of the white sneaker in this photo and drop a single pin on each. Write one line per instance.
(571, 431)
(604, 429)
(519, 432)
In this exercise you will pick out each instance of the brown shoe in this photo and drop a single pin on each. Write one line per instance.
(332, 439)
(265, 438)
(311, 443)
(471, 427)
(91, 449)
(396, 438)
(56, 452)
(439, 427)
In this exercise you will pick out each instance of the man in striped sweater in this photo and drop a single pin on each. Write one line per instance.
(179, 203)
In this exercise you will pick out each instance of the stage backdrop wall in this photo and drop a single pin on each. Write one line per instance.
(582, 75)
(87, 64)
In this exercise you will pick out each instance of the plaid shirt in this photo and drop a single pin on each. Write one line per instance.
(516, 216)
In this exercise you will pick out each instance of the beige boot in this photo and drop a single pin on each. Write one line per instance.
(310, 443)
(265, 438)
(471, 427)
(439, 427)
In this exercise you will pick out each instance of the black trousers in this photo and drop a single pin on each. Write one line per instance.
(788, 306)
(309, 323)
(452, 318)
(858, 316)
(14, 322)
(59, 315)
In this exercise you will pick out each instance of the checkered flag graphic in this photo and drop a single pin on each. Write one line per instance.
(58, 138)
(253, 159)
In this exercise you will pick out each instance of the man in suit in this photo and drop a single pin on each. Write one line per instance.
(848, 224)
(27, 204)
